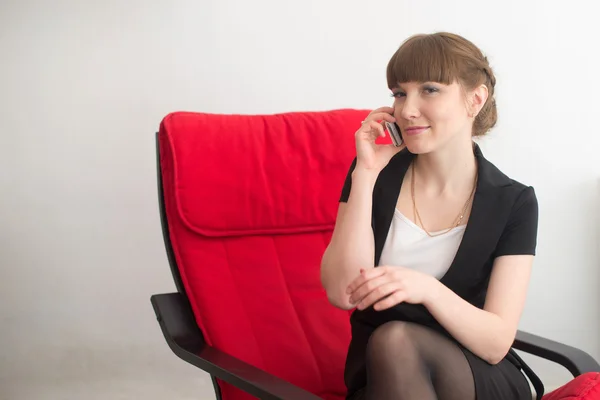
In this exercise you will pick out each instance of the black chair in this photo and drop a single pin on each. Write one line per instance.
(177, 320)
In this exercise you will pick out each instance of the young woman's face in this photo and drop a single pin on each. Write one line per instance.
(430, 114)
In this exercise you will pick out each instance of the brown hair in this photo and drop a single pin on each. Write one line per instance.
(446, 57)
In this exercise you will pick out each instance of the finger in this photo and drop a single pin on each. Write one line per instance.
(373, 129)
(394, 298)
(383, 116)
(380, 116)
(379, 294)
(356, 282)
(367, 287)
(381, 113)
(375, 272)
(364, 276)
(384, 109)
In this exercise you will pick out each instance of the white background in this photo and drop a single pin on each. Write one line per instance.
(84, 85)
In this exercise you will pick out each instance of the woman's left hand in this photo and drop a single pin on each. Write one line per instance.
(386, 286)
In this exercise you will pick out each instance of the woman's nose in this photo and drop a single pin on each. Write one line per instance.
(409, 109)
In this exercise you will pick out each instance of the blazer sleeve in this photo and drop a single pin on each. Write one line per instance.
(348, 183)
(520, 233)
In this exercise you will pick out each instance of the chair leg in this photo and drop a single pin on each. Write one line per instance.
(217, 387)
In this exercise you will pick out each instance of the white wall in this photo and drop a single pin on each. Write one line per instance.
(85, 84)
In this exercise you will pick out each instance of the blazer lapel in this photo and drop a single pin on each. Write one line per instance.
(385, 198)
(483, 229)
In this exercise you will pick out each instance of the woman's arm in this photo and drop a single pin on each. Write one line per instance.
(488, 333)
(352, 244)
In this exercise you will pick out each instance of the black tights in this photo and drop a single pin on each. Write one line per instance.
(407, 361)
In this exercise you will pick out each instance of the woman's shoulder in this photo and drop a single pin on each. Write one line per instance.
(518, 197)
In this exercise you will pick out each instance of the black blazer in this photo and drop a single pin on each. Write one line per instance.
(503, 221)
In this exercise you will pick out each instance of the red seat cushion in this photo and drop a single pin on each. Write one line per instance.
(251, 203)
(583, 387)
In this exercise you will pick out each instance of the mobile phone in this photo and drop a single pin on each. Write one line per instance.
(395, 133)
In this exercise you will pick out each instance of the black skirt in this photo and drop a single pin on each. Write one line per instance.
(503, 381)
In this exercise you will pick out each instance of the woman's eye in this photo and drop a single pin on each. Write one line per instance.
(398, 94)
(430, 90)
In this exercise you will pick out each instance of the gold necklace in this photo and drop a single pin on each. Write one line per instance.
(458, 220)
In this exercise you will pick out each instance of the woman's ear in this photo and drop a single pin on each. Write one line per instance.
(477, 99)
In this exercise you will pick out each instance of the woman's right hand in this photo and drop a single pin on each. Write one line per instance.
(369, 155)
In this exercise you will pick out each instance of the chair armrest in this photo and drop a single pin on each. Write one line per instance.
(185, 339)
(575, 360)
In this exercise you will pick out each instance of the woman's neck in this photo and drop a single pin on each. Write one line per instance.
(449, 170)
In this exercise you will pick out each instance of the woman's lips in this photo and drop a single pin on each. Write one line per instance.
(415, 130)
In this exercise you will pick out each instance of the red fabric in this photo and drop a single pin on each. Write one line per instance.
(251, 203)
(583, 387)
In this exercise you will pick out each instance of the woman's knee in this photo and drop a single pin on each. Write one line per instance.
(390, 339)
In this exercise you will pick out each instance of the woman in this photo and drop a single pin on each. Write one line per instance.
(452, 237)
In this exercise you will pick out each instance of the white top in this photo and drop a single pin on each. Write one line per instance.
(408, 245)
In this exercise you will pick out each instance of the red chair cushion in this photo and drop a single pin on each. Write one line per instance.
(251, 203)
(583, 387)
